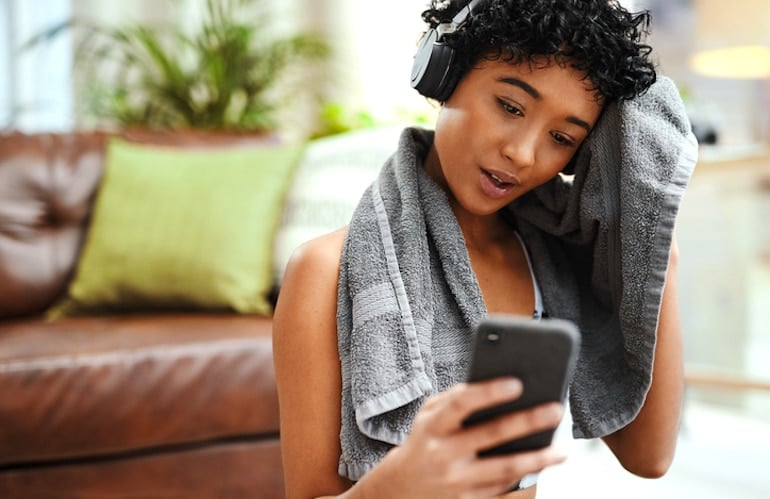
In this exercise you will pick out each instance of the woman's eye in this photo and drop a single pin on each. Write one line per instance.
(561, 139)
(510, 108)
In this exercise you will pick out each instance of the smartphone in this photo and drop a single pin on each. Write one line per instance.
(541, 353)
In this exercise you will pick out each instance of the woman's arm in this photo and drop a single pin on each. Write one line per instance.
(308, 370)
(646, 446)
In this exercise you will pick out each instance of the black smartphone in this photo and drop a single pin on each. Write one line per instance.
(541, 353)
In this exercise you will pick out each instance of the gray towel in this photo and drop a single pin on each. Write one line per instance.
(387, 305)
(599, 244)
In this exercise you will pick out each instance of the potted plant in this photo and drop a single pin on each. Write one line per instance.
(232, 74)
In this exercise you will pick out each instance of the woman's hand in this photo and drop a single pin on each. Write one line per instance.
(439, 458)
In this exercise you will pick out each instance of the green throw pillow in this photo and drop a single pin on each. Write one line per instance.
(180, 228)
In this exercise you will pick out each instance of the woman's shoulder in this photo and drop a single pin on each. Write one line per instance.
(312, 272)
(321, 254)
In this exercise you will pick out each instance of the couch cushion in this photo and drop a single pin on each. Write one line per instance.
(47, 184)
(232, 469)
(99, 386)
(182, 229)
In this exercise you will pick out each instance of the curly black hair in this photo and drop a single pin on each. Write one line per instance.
(600, 38)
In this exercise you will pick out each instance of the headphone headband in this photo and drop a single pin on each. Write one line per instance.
(459, 20)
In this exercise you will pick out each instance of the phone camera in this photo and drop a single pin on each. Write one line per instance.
(493, 337)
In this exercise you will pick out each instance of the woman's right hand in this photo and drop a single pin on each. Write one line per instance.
(440, 456)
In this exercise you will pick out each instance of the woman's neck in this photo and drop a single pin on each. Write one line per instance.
(481, 232)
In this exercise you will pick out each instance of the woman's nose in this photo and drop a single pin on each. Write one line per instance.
(520, 150)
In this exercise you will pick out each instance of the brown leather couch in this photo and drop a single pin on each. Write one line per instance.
(161, 405)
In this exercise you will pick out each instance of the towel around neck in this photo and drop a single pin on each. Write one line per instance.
(599, 243)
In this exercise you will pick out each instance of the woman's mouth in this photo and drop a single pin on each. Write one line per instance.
(497, 184)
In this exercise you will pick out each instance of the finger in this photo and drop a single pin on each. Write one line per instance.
(446, 412)
(511, 426)
(501, 471)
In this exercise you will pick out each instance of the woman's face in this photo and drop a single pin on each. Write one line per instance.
(507, 129)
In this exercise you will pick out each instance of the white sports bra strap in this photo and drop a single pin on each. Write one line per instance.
(539, 306)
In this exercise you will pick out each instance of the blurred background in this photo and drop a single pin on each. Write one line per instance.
(719, 55)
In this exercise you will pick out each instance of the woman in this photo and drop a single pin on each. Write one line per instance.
(528, 82)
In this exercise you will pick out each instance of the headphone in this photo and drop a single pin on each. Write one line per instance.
(433, 59)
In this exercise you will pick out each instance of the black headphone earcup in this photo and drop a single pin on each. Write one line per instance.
(430, 69)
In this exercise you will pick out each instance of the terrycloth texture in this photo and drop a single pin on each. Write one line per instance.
(393, 293)
(599, 245)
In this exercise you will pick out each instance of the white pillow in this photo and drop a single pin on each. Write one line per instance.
(327, 185)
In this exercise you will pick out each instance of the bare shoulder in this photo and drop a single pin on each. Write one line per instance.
(309, 286)
(321, 254)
